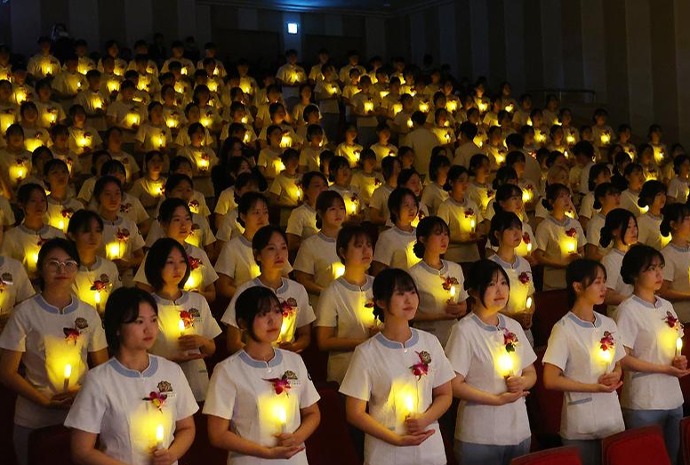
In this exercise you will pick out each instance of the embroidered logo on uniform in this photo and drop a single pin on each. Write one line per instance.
(188, 316)
(526, 239)
(67, 212)
(158, 399)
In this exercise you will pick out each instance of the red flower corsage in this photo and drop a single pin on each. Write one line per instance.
(448, 282)
(71, 335)
(289, 307)
(187, 318)
(194, 263)
(122, 234)
(377, 182)
(369, 304)
(572, 232)
(607, 342)
(158, 399)
(510, 340)
(125, 207)
(469, 213)
(282, 384)
(99, 285)
(490, 193)
(194, 204)
(524, 277)
(672, 321)
(41, 241)
(422, 368)
(526, 239)
(67, 212)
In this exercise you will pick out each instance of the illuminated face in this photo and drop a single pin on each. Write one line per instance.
(266, 325)
(408, 210)
(359, 252)
(496, 293)
(141, 333)
(90, 237)
(596, 291)
(36, 205)
(335, 214)
(58, 269)
(183, 191)
(256, 217)
(111, 198)
(180, 225)
(175, 268)
(274, 256)
(653, 276)
(403, 304)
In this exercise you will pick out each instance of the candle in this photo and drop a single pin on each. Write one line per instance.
(50, 117)
(286, 141)
(505, 365)
(132, 119)
(454, 293)
(605, 138)
(113, 251)
(528, 303)
(112, 85)
(281, 417)
(18, 173)
(97, 103)
(212, 86)
(84, 141)
(409, 402)
(424, 107)
(482, 107)
(206, 121)
(181, 327)
(160, 435)
(159, 141)
(451, 106)
(338, 270)
(20, 96)
(570, 139)
(352, 205)
(540, 137)
(473, 225)
(368, 106)
(397, 108)
(384, 93)
(244, 120)
(510, 108)
(606, 355)
(202, 162)
(298, 194)
(33, 143)
(679, 346)
(571, 246)
(409, 123)
(183, 71)
(246, 138)
(527, 195)
(68, 375)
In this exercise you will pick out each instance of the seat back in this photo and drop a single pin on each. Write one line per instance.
(638, 446)
(544, 408)
(550, 306)
(557, 456)
(50, 445)
(331, 444)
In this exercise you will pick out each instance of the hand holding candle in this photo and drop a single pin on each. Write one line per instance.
(160, 436)
(68, 375)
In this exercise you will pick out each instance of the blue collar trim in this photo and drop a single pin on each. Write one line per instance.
(398, 345)
(274, 362)
(124, 371)
(585, 324)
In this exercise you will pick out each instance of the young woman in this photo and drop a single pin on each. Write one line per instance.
(301, 224)
(434, 193)
(187, 328)
(649, 329)
(346, 311)
(560, 238)
(583, 361)
(442, 296)
(395, 244)
(176, 221)
(269, 247)
(509, 199)
(24, 241)
(506, 235)
(618, 234)
(653, 200)
(493, 366)
(97, 277)
(398, 382)
(61, 205)
(137, 406)
(149, 188)
(608, 197)
(676, 287)
(51, 335)
(462, 217)
(317, 263)
(264, 391)
(235, 265)
(121, 238)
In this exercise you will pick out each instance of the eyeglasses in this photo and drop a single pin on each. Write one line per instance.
(70, 266)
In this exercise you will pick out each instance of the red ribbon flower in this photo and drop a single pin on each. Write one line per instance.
(448, 282)
(526, 239)
(157, 399)
(422, 368)
(607, 342)
(490, 193)
(194, 204)
(187, 318)
(282, 384)
(672, 321)
(67, 212)
(572, 232)
(369, 304)
(510, 340)
(122, 234)
(469, 213)
(524, 277)
(71, 335)
(289, 307)
(125, 207)
(194, 263)
(377, 182)
(99, 285)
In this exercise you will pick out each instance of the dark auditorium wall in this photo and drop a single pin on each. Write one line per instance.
(635, 54)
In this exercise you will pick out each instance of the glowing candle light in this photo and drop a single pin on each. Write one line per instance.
(409, 123)
(424, 107)
(33, 143)
(384, 93)
(286, 141)
(451, 106)
(181, 327)
(245, 120)
(183, 71)
(18, 173)
(160, 435)
(112, 85)
(114, 251)
(281, 417)
(529, 247)
(97, 103)
(509, 108)
(172, 121)
(20, 96)
(132, 119)
(483, 107)
(368, 106)
(605, 138)
(454, 293)
(67, 376)
(84, 141)
(206, 121)
(527, 195)
(397, 108)
(505, 365)
(338, 270)
(570, 214)
(246, 138)
(212, 86)
(528, 303)
(473, 225)
(571, 246)
(570, 139)
(679, 346)
(409, 402)
(298, 194)
(159, 141)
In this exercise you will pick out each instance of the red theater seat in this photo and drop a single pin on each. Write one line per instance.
(557, 456)
(639, 446)
(550, 306)
(685, 440)
(544, 409)
(50, 445)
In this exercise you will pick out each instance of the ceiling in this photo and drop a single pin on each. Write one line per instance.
(371, 7)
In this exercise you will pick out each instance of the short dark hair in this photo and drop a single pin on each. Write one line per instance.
(346, 235)
(156, 259)
(638, 259)
(388, 282)
(50, 245)
(396, 199)
(501, 221)
(481, 275)
(168, 207)
(252, 302)
(122, 308)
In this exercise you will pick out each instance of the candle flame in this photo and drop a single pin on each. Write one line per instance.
(528, 303)
(505, 364)
(338, 270)
(180, 325)
(679, 345)
(68, 371)
(160, 434)
(97, 297)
